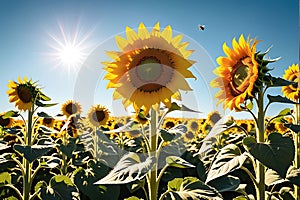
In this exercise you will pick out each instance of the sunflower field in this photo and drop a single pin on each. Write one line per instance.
(150, 155)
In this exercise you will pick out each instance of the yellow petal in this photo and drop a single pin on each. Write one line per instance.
(131, 35)
(177, 39)
(167, 33)
(143, 32)
(121, 42)
(156, 30)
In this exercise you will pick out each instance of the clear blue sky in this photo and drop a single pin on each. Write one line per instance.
(26, 27)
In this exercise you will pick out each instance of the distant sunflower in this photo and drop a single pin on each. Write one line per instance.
(98, 115)
(71, 107)
(7, 122)
(213, 117)
(150, 68)
(23, 93)
(169, 123)
(193, 125)
(49, 122)
(291, 91)
(237, 73)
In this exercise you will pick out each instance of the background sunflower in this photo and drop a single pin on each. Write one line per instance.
(292, 91)
(98, 115)
(71, 107)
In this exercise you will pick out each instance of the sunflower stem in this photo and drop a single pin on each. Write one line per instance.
(153, 186)
(260, 173)
(95, 144)
(27, 174)
(296, 143)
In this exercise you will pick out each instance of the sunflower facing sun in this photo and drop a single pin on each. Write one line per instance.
(150, 68)
(237, 73)
(24, 93)
(71, 107)
(291, 91)
(98, 115)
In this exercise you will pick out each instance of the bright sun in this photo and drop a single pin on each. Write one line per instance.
(69, 49)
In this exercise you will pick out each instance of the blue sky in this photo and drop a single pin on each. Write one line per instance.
(25, 42)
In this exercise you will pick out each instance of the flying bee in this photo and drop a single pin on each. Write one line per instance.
(201, 27)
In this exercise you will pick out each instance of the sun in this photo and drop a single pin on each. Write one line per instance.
(69, 47)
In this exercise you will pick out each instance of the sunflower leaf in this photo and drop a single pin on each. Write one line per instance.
(277, 153)
(40, 104)
(43, 97)
(31, 153)
(175, 161)
(228, 159)
(128, 169)
(44, 115)
(294, 127)
(226, 183)
(294, 176)
(278, 82)
(5, 178)
(279, 99)
(10, 114)
(191, 188)
(60, 187)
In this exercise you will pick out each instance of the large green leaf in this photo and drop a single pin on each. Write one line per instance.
(84, 180)
(228, 159)
(273, 178)
(175, 161)
(279, 82)
(60, 188)
(10, 113)
(225, 183)
(31, 153)
(128, 169)
(191, 188)
(276, 153)
(294, 127)
(279, 99)
(5, 178)
(294, 176)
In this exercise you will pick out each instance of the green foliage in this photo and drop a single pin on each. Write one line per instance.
(31, 153)
(128, 169)
(60, 187)
(276, 153)
(227, 160)
(279, 99)
(191, 188)
(175, 161)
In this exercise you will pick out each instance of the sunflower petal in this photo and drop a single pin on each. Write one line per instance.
(143, 32)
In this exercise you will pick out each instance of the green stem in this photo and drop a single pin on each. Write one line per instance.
(153, 186)
(95, 144)
(296, 142)
(27, 175)
(260, 173)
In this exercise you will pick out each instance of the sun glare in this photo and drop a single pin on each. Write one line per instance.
(69, 48)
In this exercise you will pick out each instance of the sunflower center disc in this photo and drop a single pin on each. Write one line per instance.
(4, 122)
(71, 109)
(240, 75)
(98, 116)
(47, 120)
(294, 86)
(24, 94)
(149, 69)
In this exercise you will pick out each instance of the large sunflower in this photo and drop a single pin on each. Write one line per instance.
(23, 93)
(291, 91)
(71, 107)
(150, 68)
(98, 115)
(237, 73)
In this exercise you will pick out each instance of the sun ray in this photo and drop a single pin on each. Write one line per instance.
(69, 47)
